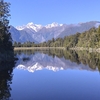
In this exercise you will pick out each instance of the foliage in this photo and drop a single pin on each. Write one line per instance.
(5, 36)
(6, 76)
(87, 39)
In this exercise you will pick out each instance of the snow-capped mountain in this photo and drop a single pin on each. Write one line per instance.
(22, 35)
(38, 33)
(30, 25)
(40, 61)
(54, 24)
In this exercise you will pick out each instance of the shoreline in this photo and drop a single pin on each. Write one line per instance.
(39, 48)
(47, 48)
(86, 49)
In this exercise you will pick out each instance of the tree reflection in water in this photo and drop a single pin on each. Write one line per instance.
(6, 69)
(92, 59)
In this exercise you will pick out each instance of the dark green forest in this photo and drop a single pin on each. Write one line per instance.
(6, 47)
(90, 38)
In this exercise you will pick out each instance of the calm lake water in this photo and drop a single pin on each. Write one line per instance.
(52, 75)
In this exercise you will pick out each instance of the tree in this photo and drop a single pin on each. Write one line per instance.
(15, 44)
(99, 29)
(5, 36)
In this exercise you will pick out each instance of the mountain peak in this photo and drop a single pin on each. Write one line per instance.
(37, 27)
(39, 33)
(54, 24)
(30, 25)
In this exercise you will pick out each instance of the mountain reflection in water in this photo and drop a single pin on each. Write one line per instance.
(55, 59)
(44, 84)
(69, 84)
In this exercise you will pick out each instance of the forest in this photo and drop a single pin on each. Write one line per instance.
(87, 39)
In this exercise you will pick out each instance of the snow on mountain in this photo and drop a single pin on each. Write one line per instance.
(54, 24)
(20, 27)
(37, 27)
(34, 26)
(38, 33)
(30, 25)
(22, 35)
(97, 24)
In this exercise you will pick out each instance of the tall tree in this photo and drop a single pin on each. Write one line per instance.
(5, 36)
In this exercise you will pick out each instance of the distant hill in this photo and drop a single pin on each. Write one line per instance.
(38, 33)
(80, 27)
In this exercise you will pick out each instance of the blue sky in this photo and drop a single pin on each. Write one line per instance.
(48, 11)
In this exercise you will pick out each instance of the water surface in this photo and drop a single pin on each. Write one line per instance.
(55, 75)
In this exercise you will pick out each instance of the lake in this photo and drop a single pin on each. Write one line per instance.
(51, 75)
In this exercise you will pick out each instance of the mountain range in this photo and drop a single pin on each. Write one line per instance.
(38, 33)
